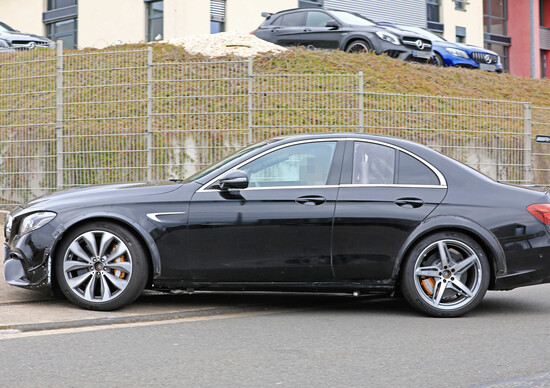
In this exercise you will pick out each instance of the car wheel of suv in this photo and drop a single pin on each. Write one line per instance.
(445, 275)
(101, 266)
(359, 46)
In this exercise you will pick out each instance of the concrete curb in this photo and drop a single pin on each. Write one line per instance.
(9, 329)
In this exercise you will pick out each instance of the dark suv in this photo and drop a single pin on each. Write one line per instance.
(11, 40)
(334, 29)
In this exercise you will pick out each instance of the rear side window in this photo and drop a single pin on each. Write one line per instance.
(373, 164)
(295, 19)
(413, 172)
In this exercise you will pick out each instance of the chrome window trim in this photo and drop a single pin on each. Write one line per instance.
(203, 188)
(442, 180)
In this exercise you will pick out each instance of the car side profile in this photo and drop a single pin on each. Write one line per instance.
(335, 29)
(342, 213)
(452, 54)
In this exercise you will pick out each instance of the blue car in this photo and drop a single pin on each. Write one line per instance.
(447, 53)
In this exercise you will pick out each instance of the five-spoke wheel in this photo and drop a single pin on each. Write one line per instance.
(446, 274)
(101, 266)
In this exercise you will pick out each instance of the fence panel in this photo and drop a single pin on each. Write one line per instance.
(199, 115)
(104, 117)
(284, 104)
(541, 151)
(485, 134)
(27, 125)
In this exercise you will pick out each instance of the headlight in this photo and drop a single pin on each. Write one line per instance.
(4, 44)
(7, 226)
(34, 221)
(388, 37)
(458, 53)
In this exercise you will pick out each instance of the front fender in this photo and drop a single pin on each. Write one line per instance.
(456, 223)
(360, 35)
(133, 225)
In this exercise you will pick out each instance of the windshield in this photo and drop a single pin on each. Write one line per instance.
(353, 19)
(422, 32)
(5, 28)
(216, 165)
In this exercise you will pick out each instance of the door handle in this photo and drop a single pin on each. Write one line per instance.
(311, 200)
(307, 29)
(410, 203)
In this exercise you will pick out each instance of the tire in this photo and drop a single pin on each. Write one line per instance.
(101, 266)
(462, 276)
(359, 46)
(437, 60)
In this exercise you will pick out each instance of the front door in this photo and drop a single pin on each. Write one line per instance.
(276, 230)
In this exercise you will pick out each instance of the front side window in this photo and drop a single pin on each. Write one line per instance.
(305, 164)
(317, 19)
(155, 20)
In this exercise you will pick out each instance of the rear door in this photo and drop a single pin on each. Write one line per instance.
(385, 193)
(286, 28)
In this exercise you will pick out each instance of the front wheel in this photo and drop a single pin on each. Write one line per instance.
(101, 266)
(359, 46)
(445, 275)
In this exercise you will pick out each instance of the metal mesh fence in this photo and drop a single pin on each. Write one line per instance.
(540, 121)
(72, 119)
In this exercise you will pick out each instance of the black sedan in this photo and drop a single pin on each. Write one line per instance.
(344, 213)
(333, 29)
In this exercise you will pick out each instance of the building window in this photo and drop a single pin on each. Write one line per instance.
(494, 16)
(61, 22)
(433, 17)
(217, 16)
(460, 34)
(310, 3)
(155, 20)
(501, 50)
(544, 63)
(460, 5)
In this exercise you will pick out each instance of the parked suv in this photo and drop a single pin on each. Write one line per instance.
(334, 29)
(456, 54)
(11, 39)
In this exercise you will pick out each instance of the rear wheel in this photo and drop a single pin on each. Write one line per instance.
(101, 266)
(445, 275)
(359, 46)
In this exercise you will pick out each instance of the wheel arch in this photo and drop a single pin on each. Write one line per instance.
(487, 240)
(149, 245)
(350, 39)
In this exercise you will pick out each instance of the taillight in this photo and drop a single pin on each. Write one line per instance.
(541, 211)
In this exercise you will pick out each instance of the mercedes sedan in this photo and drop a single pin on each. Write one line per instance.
(343, 213)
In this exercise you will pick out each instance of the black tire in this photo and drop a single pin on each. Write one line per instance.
(359, 46)
(101, 266)
(437, 60)
(463, 275)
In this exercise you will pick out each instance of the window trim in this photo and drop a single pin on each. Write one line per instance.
(438, 174)
(442, 181)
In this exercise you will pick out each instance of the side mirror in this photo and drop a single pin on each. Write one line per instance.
(236, 179)
(333, 24)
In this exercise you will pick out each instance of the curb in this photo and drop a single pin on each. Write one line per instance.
(10, 329)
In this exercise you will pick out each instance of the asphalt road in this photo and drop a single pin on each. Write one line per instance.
(291, 340)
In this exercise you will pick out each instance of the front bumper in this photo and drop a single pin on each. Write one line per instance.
(451, 60)
(27, 259)
(402, 52)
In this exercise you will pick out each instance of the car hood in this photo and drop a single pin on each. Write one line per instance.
(108, 194)
(399, 33)
(461, 46)
(11, 36)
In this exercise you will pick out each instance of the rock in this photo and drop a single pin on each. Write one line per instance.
(226, 43)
